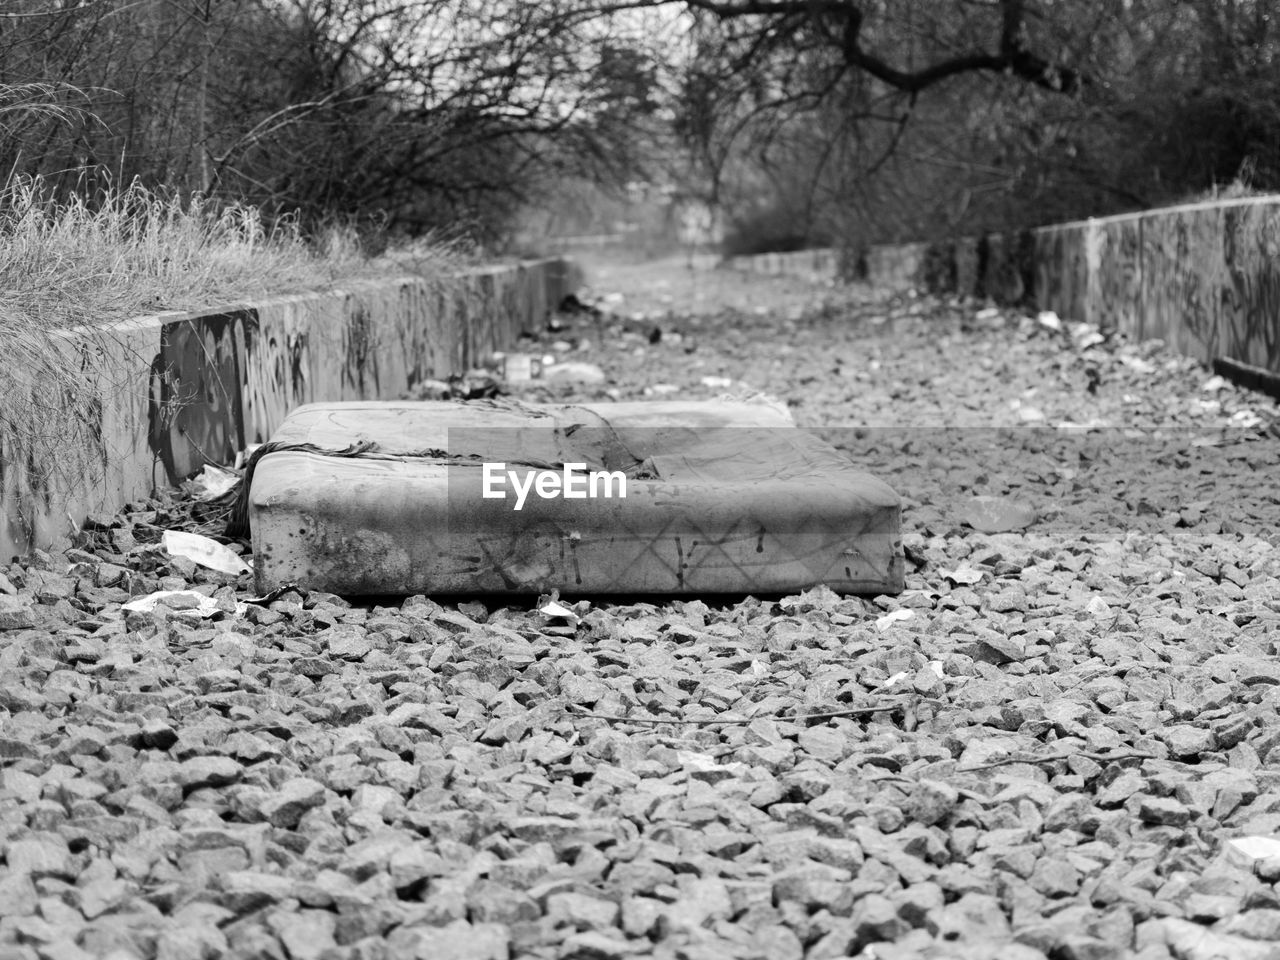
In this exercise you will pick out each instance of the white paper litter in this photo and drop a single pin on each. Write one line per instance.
(1086, 335)
(1071, 426)
(212, 482)
(205, 552)
(1138, 365)
(1049, 319)
(178, 600)
(1098, 607)
(894, 616)
(705, 763)
(964, 575)
(1090, 340)
(554, 608)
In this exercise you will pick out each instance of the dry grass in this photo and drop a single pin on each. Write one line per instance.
(133, 252)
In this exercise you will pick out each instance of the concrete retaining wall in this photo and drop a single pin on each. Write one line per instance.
(174, 390)
(1203, 277)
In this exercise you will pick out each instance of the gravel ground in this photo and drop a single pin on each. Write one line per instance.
(1055, 744)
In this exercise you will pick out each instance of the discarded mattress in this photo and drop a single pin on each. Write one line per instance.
(504, 497)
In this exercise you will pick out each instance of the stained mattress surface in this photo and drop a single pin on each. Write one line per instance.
(720, 497)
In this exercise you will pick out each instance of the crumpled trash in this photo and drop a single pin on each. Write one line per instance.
(963, 575)
(178, 601)
(203, 551)
(1086, 335)
(212, 482)
(1138, 365)
(1244, 418)
(820, 597)
(894, 616)
(550, 606)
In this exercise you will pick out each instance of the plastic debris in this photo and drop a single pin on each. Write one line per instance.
(554, 609)
(182, 601)
(1098, 607)
(1138, 365)
(212, 482)
(894, 616)
(966, 576)
(1091, 339)
(203, 551)
(1070, 426)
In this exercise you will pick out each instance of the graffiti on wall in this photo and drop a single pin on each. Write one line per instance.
(193, 411)
(421, 333)
(966, 266)
(1249, 295)
(359, 352)
(1251, 318)
(1176, 254)
(482, 337)
(1206, 284)
(1117, 290)
(1062, 269)
(277, 373)
(1008, 266)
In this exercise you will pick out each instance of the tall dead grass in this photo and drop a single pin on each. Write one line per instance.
(78, 265)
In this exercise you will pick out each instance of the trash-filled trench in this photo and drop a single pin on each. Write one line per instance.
(1061, 741)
